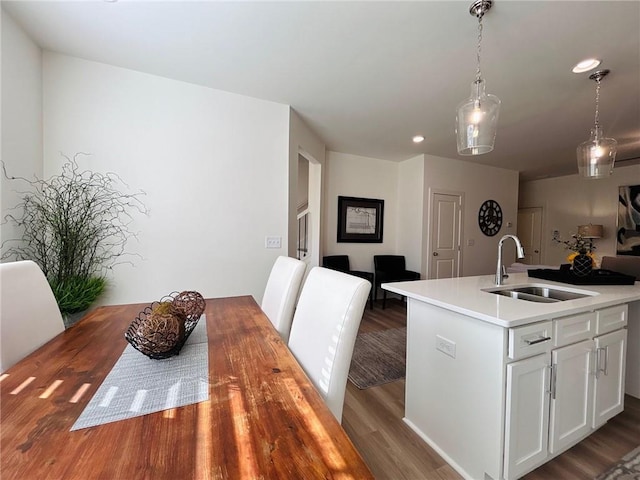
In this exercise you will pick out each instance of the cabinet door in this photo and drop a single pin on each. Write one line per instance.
(571, 394)
(609, 376)
(527, 415)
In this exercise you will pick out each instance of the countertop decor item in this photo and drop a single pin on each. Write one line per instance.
(595, 277)
(162, 328)
(579, 245)
(582, 264)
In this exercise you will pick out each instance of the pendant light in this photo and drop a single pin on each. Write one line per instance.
(597, 155)
(477, 117)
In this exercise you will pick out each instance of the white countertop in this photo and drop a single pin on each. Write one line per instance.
(465, 295)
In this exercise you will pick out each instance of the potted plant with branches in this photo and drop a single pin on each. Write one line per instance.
(75, 226)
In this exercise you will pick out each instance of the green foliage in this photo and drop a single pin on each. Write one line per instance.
(578, 244)
(76, 294)
(75, 226)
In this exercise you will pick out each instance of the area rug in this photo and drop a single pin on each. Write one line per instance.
(626, 469)
(378, 357)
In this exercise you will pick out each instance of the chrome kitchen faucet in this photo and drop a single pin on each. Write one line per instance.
(499, 269)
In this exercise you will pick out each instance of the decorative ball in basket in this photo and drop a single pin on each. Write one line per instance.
(162, 328)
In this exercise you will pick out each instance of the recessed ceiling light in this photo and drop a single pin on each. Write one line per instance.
(586, 65)
(418, 139)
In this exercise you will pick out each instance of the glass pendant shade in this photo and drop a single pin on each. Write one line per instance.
(597, 155)
(477, 121)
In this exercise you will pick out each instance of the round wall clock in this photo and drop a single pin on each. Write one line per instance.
(490, 218)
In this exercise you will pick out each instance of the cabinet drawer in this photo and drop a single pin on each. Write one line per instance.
(530, 340)
(610, 319)
(574, 328)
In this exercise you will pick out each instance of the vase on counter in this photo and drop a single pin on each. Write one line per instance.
(582, 264)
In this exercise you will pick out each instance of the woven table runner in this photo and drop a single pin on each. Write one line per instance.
(138, 385)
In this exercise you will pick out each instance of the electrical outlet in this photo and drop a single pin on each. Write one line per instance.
(272, 242)
(446, 346)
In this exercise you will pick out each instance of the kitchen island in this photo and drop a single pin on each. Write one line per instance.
(499, 385)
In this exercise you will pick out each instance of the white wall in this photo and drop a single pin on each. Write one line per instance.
(411, 211)
(570, 201)
(303, 141)
(356, 176)
(405, 187)
(478, 183)
(21, 114)
(214, 165)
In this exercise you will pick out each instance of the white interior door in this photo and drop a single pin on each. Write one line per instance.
(445, 235)
(530, 233)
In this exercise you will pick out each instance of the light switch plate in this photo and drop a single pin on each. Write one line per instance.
(272, 242)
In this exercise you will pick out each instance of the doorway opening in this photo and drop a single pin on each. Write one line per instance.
(530, 234)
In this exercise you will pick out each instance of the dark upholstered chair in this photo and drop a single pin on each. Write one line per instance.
(341, 264)
(391, 268)
(623, 264)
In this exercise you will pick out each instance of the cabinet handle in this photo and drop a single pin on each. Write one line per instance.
(537, 340)
(554, 375)
(606, 360)
(599, 362)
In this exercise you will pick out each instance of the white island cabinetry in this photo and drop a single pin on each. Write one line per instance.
(585, 388)
(498, 386)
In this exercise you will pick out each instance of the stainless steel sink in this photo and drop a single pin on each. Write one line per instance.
(540, 293)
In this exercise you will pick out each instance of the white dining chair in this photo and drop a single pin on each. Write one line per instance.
(281, 293)
(29, 314)
(324, 330)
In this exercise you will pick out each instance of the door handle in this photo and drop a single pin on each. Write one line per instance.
(536, 251)
(435, 254)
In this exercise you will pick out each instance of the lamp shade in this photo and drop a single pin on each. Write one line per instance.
(597, 155)
(590, 231)
(477, 121)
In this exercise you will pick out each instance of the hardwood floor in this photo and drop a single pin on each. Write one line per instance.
(373, 421)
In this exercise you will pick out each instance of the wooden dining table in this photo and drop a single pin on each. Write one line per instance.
(263, 419)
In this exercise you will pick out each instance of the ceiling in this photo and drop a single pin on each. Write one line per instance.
(368, 76)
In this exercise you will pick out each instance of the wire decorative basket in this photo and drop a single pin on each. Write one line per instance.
(162, 328)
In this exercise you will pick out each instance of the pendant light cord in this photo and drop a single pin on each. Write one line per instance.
(597, 118)
(478, 73)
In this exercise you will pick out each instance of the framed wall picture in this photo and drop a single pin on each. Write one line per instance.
(360, 220)
(628, 231)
